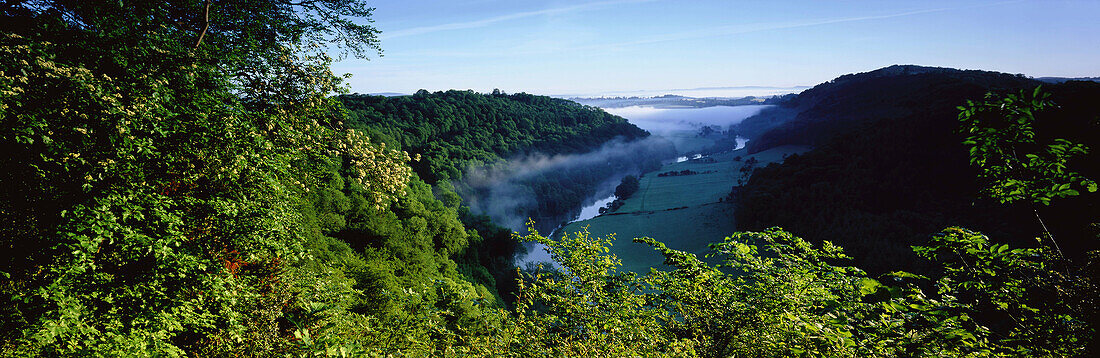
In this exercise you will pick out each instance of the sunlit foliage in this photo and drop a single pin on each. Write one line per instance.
(180, 181)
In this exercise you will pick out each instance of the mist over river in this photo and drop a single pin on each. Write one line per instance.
(678, 125)
(665, 121)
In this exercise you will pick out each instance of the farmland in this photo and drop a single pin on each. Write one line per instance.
(686, 212)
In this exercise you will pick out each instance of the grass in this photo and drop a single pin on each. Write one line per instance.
(688, 141)
(684, 212)
(689, 229)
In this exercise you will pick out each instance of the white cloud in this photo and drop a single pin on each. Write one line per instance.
(745, 29)
(670, 37)
(492, 20)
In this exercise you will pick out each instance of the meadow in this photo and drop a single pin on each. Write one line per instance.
(686, 212)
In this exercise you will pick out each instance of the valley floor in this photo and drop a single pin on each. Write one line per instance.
(686, 212)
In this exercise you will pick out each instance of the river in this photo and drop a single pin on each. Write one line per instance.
(681, 126)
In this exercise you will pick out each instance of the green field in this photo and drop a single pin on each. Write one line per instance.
(684, 212)
(688, 141)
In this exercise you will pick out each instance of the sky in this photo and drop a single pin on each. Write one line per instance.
(570, 47)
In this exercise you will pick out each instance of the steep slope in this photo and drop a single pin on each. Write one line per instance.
(456, 129)
(889, 167)
(512, 157)
(851, 101)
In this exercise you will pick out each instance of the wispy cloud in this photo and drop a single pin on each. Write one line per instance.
(719, 31)
(514, 16)
(745, 29)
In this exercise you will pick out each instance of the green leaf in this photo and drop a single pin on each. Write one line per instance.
(743, 249)
(868, 286)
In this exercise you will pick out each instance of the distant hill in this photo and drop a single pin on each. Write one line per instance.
(727, 92)
(675, 101)
(889, 167)
(1067, 79)
(389, 94)
(455, 129)
(849, 101)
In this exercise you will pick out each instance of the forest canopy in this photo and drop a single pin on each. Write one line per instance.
(890, 165)
(456, 130)
(511, 156)
(182, 181)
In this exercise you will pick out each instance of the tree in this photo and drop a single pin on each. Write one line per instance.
(161, 154)
(1014, 166)
(746, 171)
(627, 187)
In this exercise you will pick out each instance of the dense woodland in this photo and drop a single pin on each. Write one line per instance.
(851, 101)
(182, 189)
(181, 181)
(886, 171)
(456, 132)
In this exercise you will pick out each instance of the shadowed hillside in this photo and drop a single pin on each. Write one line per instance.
(889, 166)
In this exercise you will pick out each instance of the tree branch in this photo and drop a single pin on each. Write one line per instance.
(301, 3)
(205, 24)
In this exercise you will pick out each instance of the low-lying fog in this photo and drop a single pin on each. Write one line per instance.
(669, 123)
(500, 191)
(664, 121)
(726, 92)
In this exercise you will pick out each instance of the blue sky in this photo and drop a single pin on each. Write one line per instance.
(592, 47)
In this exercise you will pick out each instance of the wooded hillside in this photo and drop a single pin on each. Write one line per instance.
(890, 164)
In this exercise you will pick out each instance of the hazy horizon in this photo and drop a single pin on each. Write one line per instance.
(702, 92)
